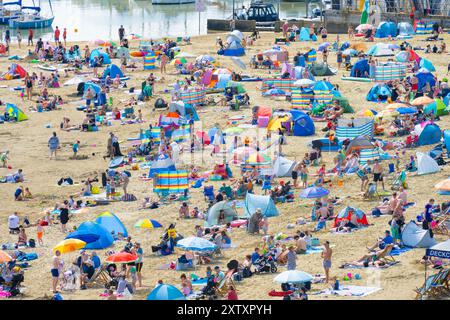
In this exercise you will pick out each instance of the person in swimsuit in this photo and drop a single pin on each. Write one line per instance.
(378, 173)
(55, 270)
(326, 255)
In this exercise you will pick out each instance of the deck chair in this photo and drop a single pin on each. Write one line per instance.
(100, 277)
(208, 192)
(386, 255)
(435, 286)
(442, 226)
(400, 180)
(222, 286)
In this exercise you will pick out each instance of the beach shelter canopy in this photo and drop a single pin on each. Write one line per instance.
(426, 164)
(424, 76)
(416, 237)
(293, 276)
(437, 108)
(95, 88)
(360, 69)
(405, 29)
(322, 70)
(112, 223)
(185, 110)
(123, 52)
(98, 53)
(196, 244)
(379, 91)
(427, 64)
(359, 143)
(386, 29)
(380, 50)
(15, 112)
(440, 250)
(95, 235)
(282, 167)
(265, 203)
(429, 133)
(347, 213)
(344, 103)
(234, 49)
(303, 125)
(304, 34)
(166, 292)
(161, 164)
(212, 217)
(112, 71)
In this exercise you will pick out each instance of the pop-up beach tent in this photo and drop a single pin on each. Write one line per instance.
(416, 237)
(265, 203)
(95, 235)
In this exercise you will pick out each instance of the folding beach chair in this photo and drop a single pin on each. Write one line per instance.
(435, 286)
(100, 277)
(208, 192)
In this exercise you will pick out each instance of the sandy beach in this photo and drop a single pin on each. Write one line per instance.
(27, 144)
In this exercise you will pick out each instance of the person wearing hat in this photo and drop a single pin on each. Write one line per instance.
(219, 276)
(255, 221)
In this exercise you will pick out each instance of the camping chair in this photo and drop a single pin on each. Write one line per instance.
(208, 192)
(222, 286)
(435, 285)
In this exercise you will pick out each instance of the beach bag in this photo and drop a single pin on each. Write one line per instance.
(31, 243)
(246, 272)
(376, 212)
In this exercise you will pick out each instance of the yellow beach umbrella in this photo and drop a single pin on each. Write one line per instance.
(69, 245)
(147, 224)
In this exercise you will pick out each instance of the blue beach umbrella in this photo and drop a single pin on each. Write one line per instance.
(166, 292)
(274, 92)
(314, 192)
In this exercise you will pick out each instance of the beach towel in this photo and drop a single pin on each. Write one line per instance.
(387, 265)
(399, 251)
(351, 291)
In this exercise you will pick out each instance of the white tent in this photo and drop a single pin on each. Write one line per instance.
(416, 237)
(283, 167)
(426, 164)
(235, 35)
(75, 80)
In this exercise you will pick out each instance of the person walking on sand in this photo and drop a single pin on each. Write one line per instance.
(326, 256)
(40, 232)
(53, 144)
(56, 265)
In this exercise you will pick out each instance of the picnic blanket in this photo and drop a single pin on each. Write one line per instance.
(387, 265)
(351, 291)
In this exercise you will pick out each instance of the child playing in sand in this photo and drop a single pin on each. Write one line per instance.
(40, 232)
(75, 147)
(4, 158)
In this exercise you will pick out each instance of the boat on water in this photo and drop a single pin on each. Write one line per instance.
(258, 11)
(31, 17)
(9, 10)
(162, 2)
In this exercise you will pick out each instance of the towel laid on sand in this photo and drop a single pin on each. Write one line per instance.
(351, 291)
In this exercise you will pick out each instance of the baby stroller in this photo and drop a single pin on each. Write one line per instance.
(209, 291)
(266, 263)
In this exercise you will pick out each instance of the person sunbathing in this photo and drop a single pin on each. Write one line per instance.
(373, 259)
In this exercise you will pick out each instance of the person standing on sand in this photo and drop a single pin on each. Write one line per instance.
(30, 37)
(57, 34)
(121, 32)
(55, 270)
(53, 144)
(65, 36)
(163, 62)
(19, 38)
(326, 255)
(29, 85)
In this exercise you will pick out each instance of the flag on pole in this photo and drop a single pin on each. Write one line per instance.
(365, 12)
